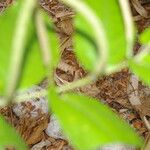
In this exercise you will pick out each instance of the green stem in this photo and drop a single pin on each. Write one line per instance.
(100, 39)
(129, 26)
(18, 45)
(116, 68)
(145, 50)
(45, 46)
(43, 38)
(76, 84)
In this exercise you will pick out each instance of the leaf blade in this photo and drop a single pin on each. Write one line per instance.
(114, 28)
(9, 137)
(87, 122)
(145, 36)
(141, 68)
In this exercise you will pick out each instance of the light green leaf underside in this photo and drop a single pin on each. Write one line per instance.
(89, 124)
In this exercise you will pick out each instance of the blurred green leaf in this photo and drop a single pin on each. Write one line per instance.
(90, 124)
(110, 14)
(84, 44)
(83, 25)
(145, 37)
(85, 51)
(33, 68)
(53, 38)
(141, 68)
(9, 137)
(55, 49)
(7, 25)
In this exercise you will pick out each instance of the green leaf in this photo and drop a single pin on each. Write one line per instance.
(141, 68)
(145, 37)
(114, 27)
(55, 48)
(80, 24)
(89, 124)
(84, 44)
(7, 25)
(85, 51)
(53, 38)
(33, 70)
(9, 137)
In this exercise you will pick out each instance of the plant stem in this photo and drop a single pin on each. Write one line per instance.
(100, 39)
(18, 46)
(116, 68)
(145, 50)
(129, 26)
(76, 84)
(45, 46)
(43, 38)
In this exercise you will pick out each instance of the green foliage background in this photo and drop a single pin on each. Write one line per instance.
(78, 114)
